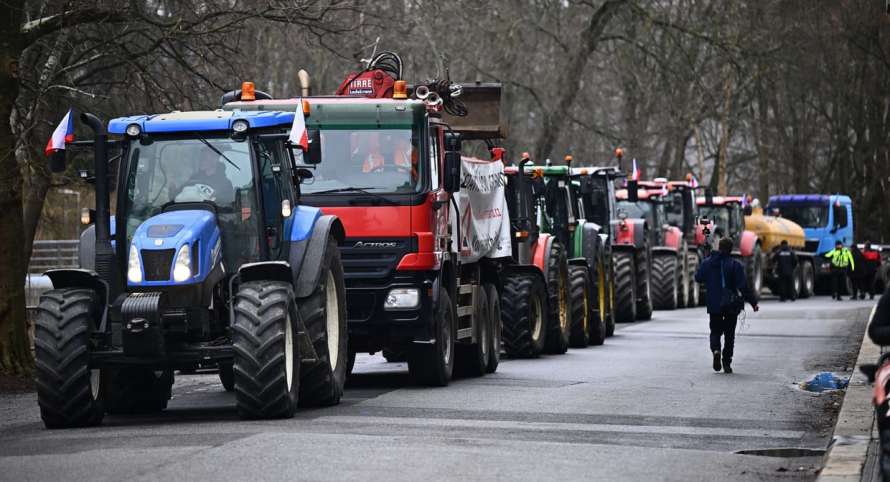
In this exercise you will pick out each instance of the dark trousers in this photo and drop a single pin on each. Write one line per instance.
(723, 324)
(786, 287)
(838, 281)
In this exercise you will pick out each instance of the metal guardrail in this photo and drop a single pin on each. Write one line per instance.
(48, 254)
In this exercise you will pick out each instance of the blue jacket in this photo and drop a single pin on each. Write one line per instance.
(734, 273)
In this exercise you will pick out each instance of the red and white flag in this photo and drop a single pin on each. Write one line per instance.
(63, 134)
(298, 135)
(635, 172)
(693, 182)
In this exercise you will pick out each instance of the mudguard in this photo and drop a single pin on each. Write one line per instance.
(591, 244)
(579, 262)
(748, 241)
(307, 256)
(266, 270)
(512, 269)
(673, 238)
(78, 278)
(664, 250)
(541, 252)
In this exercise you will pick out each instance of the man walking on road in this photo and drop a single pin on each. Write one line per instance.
(786, 263)
(724, 278)
(841, 263)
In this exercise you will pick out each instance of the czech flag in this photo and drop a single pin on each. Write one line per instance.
(745, 200)
(635, 172)
(693, 182)
(298, 135)
(664, 190)
(63, 134)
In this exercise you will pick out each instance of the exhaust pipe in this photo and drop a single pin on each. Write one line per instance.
(105, 258)
(305, 88)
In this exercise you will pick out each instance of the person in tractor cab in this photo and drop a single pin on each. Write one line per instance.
(786, 263)
(398, 153)
(841, 263)
(724, 278)
(209, 181)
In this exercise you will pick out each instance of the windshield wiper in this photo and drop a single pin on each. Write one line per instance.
(218, 152)
(362, 190)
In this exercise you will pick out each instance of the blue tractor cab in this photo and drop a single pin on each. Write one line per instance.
(208, 260)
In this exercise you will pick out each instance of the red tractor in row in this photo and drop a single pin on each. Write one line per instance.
(727, 216)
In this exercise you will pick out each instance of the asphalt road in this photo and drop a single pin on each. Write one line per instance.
(646, 406)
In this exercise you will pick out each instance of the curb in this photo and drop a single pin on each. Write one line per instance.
(855, 423)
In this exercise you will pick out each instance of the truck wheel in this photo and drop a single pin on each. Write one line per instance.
(350, 362)
(625, 288)
(610, 307)
(324, 316)
(693, 299)
(433, 364)
(644, 300)
(807, 280)
(665, 281)
(523, 315)
(685, 282)
(559, 323)
(598, 309)
(137, 390)
(267, 350)
(494, 316)
(579, 300)
(472, 358)
(68, 391)
(227, 377)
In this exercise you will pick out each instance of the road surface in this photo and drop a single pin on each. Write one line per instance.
(646, 406)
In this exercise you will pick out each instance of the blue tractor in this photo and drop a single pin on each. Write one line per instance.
(208, 260)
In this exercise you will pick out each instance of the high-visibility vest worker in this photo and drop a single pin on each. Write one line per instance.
(841, 257)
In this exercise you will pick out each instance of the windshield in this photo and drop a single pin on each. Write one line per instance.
(673, 208)
(214, 170)
(808, 216)
(639, 210)
(720, 216)
(375, 160)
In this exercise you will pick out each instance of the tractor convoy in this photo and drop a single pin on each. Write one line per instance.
(275, 239)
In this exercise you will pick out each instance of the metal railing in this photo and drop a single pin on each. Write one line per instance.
(48, 254)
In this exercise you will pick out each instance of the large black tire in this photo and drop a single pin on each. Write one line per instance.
(267, 350)
(394, 356)
(136, 390)
(524, 315)
(665, 282)
(807, 279)
(68, 392)
(693, 299)
(579, 301)
(227, 377)
(494, 316)
(686, 281)
(610, 306)
(559, 323)
(644, 284)
(472, 358)
(350, 362)
(625, 287)
(324, 315)
(433, 364)
(599, 292)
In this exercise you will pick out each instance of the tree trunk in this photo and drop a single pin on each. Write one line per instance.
(15, 354)
(568, 85)
(725, 134)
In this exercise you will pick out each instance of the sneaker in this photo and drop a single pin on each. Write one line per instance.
(726, 367)
(717, 365)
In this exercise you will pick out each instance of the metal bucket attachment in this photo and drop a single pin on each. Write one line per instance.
(483, 120)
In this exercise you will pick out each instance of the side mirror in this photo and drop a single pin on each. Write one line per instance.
(632, 194)
(313, 155)
(304, 173)
(451, 179)
(57, 161)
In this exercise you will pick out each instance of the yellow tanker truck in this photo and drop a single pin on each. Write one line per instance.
(770, 231)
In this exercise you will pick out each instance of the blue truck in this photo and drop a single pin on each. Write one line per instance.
(208, 259)
(825, 219)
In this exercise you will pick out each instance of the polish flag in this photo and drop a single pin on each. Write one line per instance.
(63, 134)
(298, 134)
(635, 172)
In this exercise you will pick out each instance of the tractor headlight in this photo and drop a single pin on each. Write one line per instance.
(134, 266)
(240, 126)
(133, 130)
(182, 268)
(402, 298)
